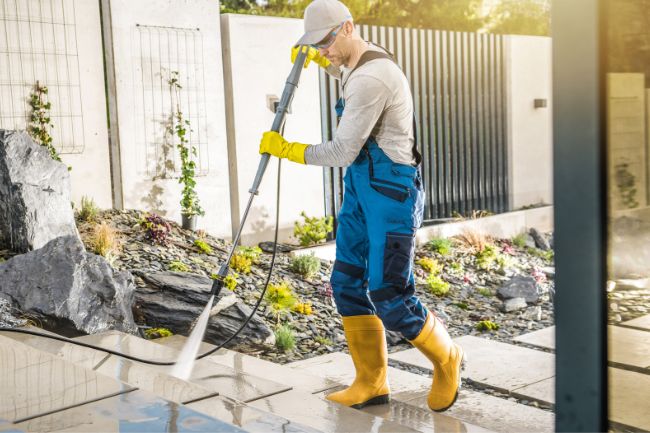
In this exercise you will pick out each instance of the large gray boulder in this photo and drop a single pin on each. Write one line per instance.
(174, 300)
(34, 194)
(69, 290)
(520, 286)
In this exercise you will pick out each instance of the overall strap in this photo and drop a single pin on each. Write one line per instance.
(372, 55)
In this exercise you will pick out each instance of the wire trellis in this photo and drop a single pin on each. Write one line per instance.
(38, 42)
(163, 51)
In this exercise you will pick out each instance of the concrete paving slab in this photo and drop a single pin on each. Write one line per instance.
(135, 411)
(503, 366)
(35, 382)
(544, 391)
(639, 322)
(311, 410)
(339, 368)
(249, 418)
(124, 370)
(543, 338)
(629, 393)
(247, 364)
(489, 412)
(79, 355)
(629, 346)
(213, 377)
(419, 418)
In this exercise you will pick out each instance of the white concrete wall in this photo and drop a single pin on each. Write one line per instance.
(530, 129)
(257, 60)
(31, 32)
(137, 115)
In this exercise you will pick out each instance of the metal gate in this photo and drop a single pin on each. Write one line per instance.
(458, 85)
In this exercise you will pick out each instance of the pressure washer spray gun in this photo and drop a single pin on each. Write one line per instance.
(278, 123)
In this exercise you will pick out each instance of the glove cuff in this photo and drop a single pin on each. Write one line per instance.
(296, 152)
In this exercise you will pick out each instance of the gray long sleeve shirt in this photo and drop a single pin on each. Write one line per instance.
(377, 102)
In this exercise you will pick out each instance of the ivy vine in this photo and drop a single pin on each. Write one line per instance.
(40, 122)
(180, 127)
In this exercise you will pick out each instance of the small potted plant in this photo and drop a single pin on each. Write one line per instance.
(190, 207)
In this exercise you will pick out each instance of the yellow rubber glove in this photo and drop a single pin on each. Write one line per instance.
(276, 145)
(312, 55)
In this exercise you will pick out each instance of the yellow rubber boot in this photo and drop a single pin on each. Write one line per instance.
(447, 358)
(367, 344)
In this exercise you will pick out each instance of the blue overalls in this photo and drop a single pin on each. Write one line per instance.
(383, 203)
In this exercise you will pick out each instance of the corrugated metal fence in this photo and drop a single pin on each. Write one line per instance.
(458, 85)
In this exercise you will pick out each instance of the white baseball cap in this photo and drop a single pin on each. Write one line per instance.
(321, 17)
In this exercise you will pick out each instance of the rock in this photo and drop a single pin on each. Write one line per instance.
(394, 338)
(514, 304)
(34, 194)
(174, 300)
(530, 241)
(540, 240)
(69, 290)
(267, 247)
(8, 317)
(519, 287)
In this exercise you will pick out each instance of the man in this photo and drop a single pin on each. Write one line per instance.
(382, 208)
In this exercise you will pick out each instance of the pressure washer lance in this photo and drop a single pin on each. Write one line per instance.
(278, 123)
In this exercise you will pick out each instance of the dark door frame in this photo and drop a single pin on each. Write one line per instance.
(580, 206)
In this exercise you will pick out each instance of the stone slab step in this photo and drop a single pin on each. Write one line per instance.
(249, 418)
(490, 412)
(318, 413)
(544, 338)
(134, 373)
(628, 399)
(217, 378)
(136, 411)
(629, 346)
(251, 365)
(34, 383)
(503, 366)
(642, 322)
(473, 411)
(338, 367)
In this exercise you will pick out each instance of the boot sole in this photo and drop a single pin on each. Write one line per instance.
(463, 364)
(380, 399)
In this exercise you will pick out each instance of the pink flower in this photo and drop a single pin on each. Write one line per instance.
(508, 249)
(538, 274)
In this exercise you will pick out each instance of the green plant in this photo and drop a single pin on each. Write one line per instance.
(486, 256)
(231, 281)
(203, 246)
(462, 305)
(437, 286)
(323, 340)
(313, 230)
(430, 265)
(156, 228)
(456, 268)
(441, 246)
(484, 291)
(281, 298)
(88, 210)
(519, 240)
(251, 253)
(180, 127)
(547, 255)
(2, 260)
(284, 338)
(40, 121)
(306, 265)
(152, 333)
(625, 182)
(241, 263)
(178, 266)
(487, 325)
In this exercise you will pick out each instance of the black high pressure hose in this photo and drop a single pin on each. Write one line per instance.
(278, 125)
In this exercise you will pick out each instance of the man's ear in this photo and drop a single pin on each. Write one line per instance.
(348, 28)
